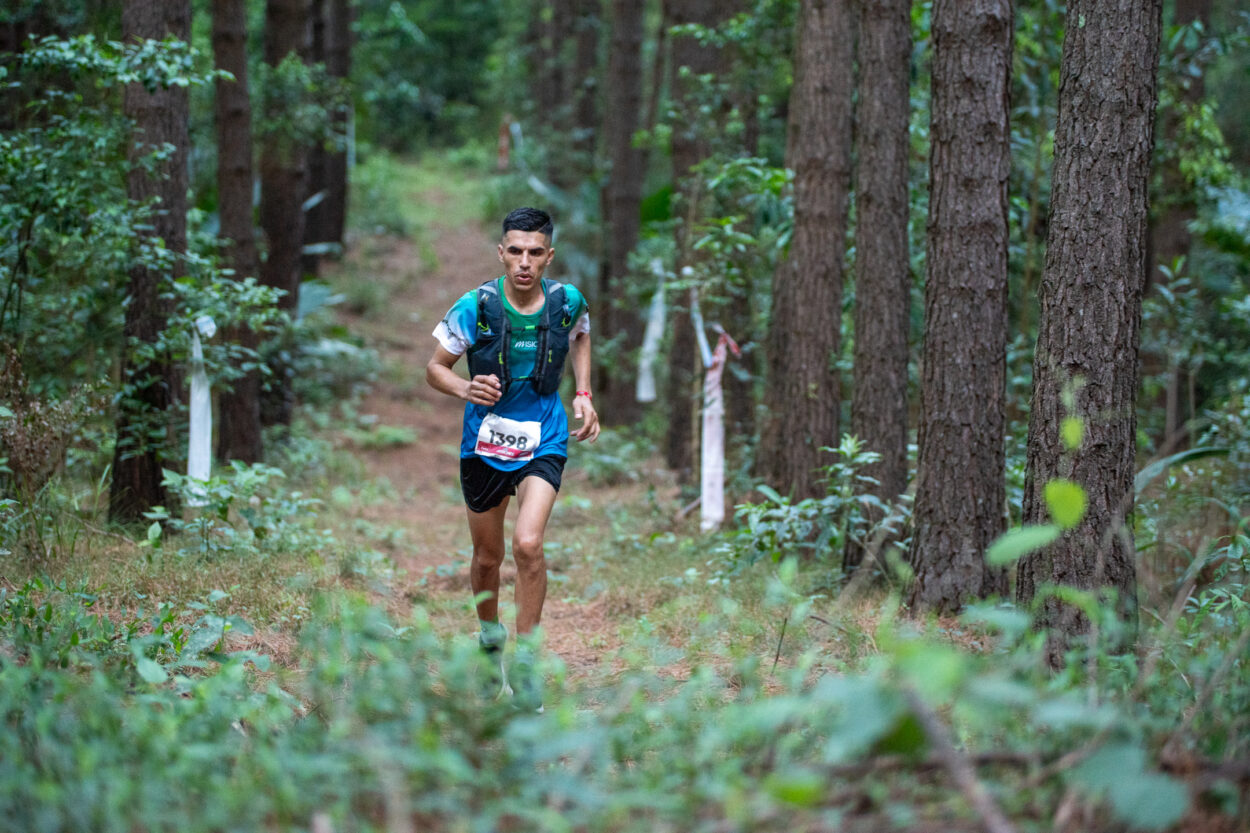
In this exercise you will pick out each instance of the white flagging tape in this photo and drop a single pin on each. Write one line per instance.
(199, 453)
(712, 469)
(644, 389)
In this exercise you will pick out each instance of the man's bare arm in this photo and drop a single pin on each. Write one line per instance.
(440, 375)
(579, 350)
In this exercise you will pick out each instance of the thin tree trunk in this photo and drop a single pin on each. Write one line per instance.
(738, 315)
(1089, 330)
(624, 198)
(283, 174)
(239, 429)
(803, 388)
(161, 119)
(317, 159)
(961, 487)
(586, 86)
(882, 268)
(558, 75)
(338, 65)
(689, 147)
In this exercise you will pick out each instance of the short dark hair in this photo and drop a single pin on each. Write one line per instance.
(529, 219)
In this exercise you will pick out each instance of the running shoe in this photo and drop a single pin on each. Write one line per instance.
(528, 694)
(496, 682)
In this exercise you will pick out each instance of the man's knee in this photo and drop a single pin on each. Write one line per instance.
(527, 549)
(487, 556)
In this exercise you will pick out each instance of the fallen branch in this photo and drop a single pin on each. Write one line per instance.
(959, 766)
(688, 508)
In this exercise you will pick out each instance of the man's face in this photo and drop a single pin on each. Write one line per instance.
(525, 256)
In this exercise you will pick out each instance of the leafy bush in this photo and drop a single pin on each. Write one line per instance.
(384, 727)
(820, 527)
(615, 457)
(240, 511)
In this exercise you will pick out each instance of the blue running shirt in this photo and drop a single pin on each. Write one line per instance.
(457, 333)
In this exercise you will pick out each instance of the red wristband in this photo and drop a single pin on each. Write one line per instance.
(584, 393)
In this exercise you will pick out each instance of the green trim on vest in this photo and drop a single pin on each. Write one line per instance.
(490, 352)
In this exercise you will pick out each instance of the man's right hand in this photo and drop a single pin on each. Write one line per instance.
(484, 390)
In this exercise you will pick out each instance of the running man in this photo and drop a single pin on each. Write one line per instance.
(517, 331)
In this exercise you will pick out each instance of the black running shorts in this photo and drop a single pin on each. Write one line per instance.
(485, 486)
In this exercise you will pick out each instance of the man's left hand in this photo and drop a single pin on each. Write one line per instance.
(583, 410)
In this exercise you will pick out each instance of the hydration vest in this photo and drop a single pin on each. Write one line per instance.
(490, 352)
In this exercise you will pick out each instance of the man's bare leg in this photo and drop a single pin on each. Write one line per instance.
(535, 497)
(486, 529)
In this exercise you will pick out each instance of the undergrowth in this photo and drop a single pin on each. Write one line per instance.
(125, 725)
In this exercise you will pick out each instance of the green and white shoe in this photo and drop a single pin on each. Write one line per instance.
(492, 644)
(528, 693)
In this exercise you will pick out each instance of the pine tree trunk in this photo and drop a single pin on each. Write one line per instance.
(960, 492)
(739, 315)
(689, 147)
(803, 388)
(339, 37)
(283, 175)
(557, 114)
(624, 322)
(160, 118)
(1089, 330)
(882, 263)
(325, 221)
(238, 432)
(586, 86)
(317, 159)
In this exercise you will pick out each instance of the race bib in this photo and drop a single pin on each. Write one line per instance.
(507, 439)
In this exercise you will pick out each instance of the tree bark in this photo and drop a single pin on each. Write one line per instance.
(339, 65)
(689, 147)
(624, 321)
(283, 175)
(586, 86)
(1089, 329)
(882, 268)
(239, 429)
(803, 388)
(558, 93)
(325, 221)
(960, 492)
(317, 159)
(161, 119)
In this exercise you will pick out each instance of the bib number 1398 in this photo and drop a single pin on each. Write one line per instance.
(507, 439)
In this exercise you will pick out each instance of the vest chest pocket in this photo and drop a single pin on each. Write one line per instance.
(508, 439)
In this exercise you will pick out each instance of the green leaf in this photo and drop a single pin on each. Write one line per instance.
(1072, 432)
(906, 737)
(150, 671)
(217, 595)
(1153, 470)
(1066, 501)
(5, 413)
(1017, 543)
(799, 787)
(1150, 801)
(1144, 800)
(771, 493)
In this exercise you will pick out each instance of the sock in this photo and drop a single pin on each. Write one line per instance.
(493, 634)
(527, 647)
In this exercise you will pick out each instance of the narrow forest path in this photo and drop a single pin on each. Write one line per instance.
(428, 538)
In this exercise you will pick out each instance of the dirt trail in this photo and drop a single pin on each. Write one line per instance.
(432, 553)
